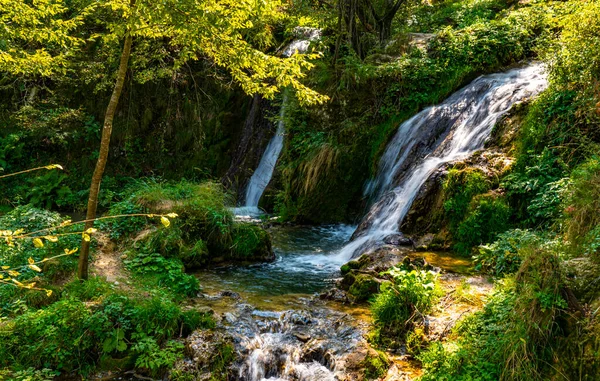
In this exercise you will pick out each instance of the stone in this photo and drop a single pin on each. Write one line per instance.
(398, 240)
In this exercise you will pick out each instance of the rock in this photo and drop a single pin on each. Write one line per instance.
(363, 287)
(335, 294)
(230, 294)
(424, 242)
(398, 240)
(302, 336)
(203, 349)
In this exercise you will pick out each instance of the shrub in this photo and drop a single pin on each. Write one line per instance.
(504, 255)
(582, 205)
(403, 301)
(460, 186)
(72, 335)
(169, 272)
(487, 217)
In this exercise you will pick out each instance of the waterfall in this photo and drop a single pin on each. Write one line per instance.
(450, 131)
(264, 172)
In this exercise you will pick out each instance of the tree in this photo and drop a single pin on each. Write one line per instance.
(37, 38)
(214, 29)
(358, 17)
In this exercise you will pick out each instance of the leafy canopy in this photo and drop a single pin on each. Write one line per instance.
(38, 36)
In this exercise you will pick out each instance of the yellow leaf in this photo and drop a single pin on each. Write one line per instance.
(165, 221)
(19, 231)
(53, 166)
(66, 222)
(69, 252)
(13, 273)
(86, 237)
(38, 243)
(48, 293)
(17, 282)
(91, 230)
(172, 215)
(51, 238)
(35, 268)
(30, 260)
(5, 267)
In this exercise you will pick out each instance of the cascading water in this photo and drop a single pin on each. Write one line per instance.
(458, 127)
(264, 172)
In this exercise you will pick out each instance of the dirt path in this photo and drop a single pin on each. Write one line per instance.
(108, 262)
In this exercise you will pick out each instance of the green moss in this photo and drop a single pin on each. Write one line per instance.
(250, 242)
(363, 287)
(375, 365)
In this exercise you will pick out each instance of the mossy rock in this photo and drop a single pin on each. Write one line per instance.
(251, 243)
(348, 280)
(375, 365)
(363, 287)
(349, 267)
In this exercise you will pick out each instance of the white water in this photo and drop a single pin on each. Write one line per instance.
(264, 172)
(473, 110)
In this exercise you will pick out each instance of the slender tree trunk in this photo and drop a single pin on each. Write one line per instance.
(82, 271)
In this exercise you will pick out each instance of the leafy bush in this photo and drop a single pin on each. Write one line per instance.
(534, 189)
(460, 186)
(72, 335)
(487, 217)
(516, 335)
(504, 256)
(169, 272)
(583, 206)
(403, 301)
(120, 227)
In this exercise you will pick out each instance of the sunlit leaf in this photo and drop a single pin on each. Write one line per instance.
(38, 243)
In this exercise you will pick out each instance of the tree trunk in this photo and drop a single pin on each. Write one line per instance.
(82, 271)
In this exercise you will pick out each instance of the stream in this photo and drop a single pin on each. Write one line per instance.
(280, 327)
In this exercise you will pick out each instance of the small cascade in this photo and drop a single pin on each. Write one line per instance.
(293, 345)
(264, 172)
(437, 135)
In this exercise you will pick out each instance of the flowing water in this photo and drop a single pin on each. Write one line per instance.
(281, 331)
(264, 172)
(463, 122)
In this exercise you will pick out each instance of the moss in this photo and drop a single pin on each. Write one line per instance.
(251, 242)
(352, 265)
(363, 287)
(375, 365)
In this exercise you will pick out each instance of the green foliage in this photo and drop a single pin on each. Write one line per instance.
(375, 365)
(460, 186)
(504, 255)
(488, 216)
(582, 206)
(72, 335)
(363, 287)
(403, 301)
(516, 335)
(154, 359)
(48, 190)
(455, 13)
(168, 271)
(29, 374)
(120, 227)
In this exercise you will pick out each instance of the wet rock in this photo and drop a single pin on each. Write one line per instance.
(205, 356)
(424, 242)
(302, 336)
(335, 294)
(398, 240)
